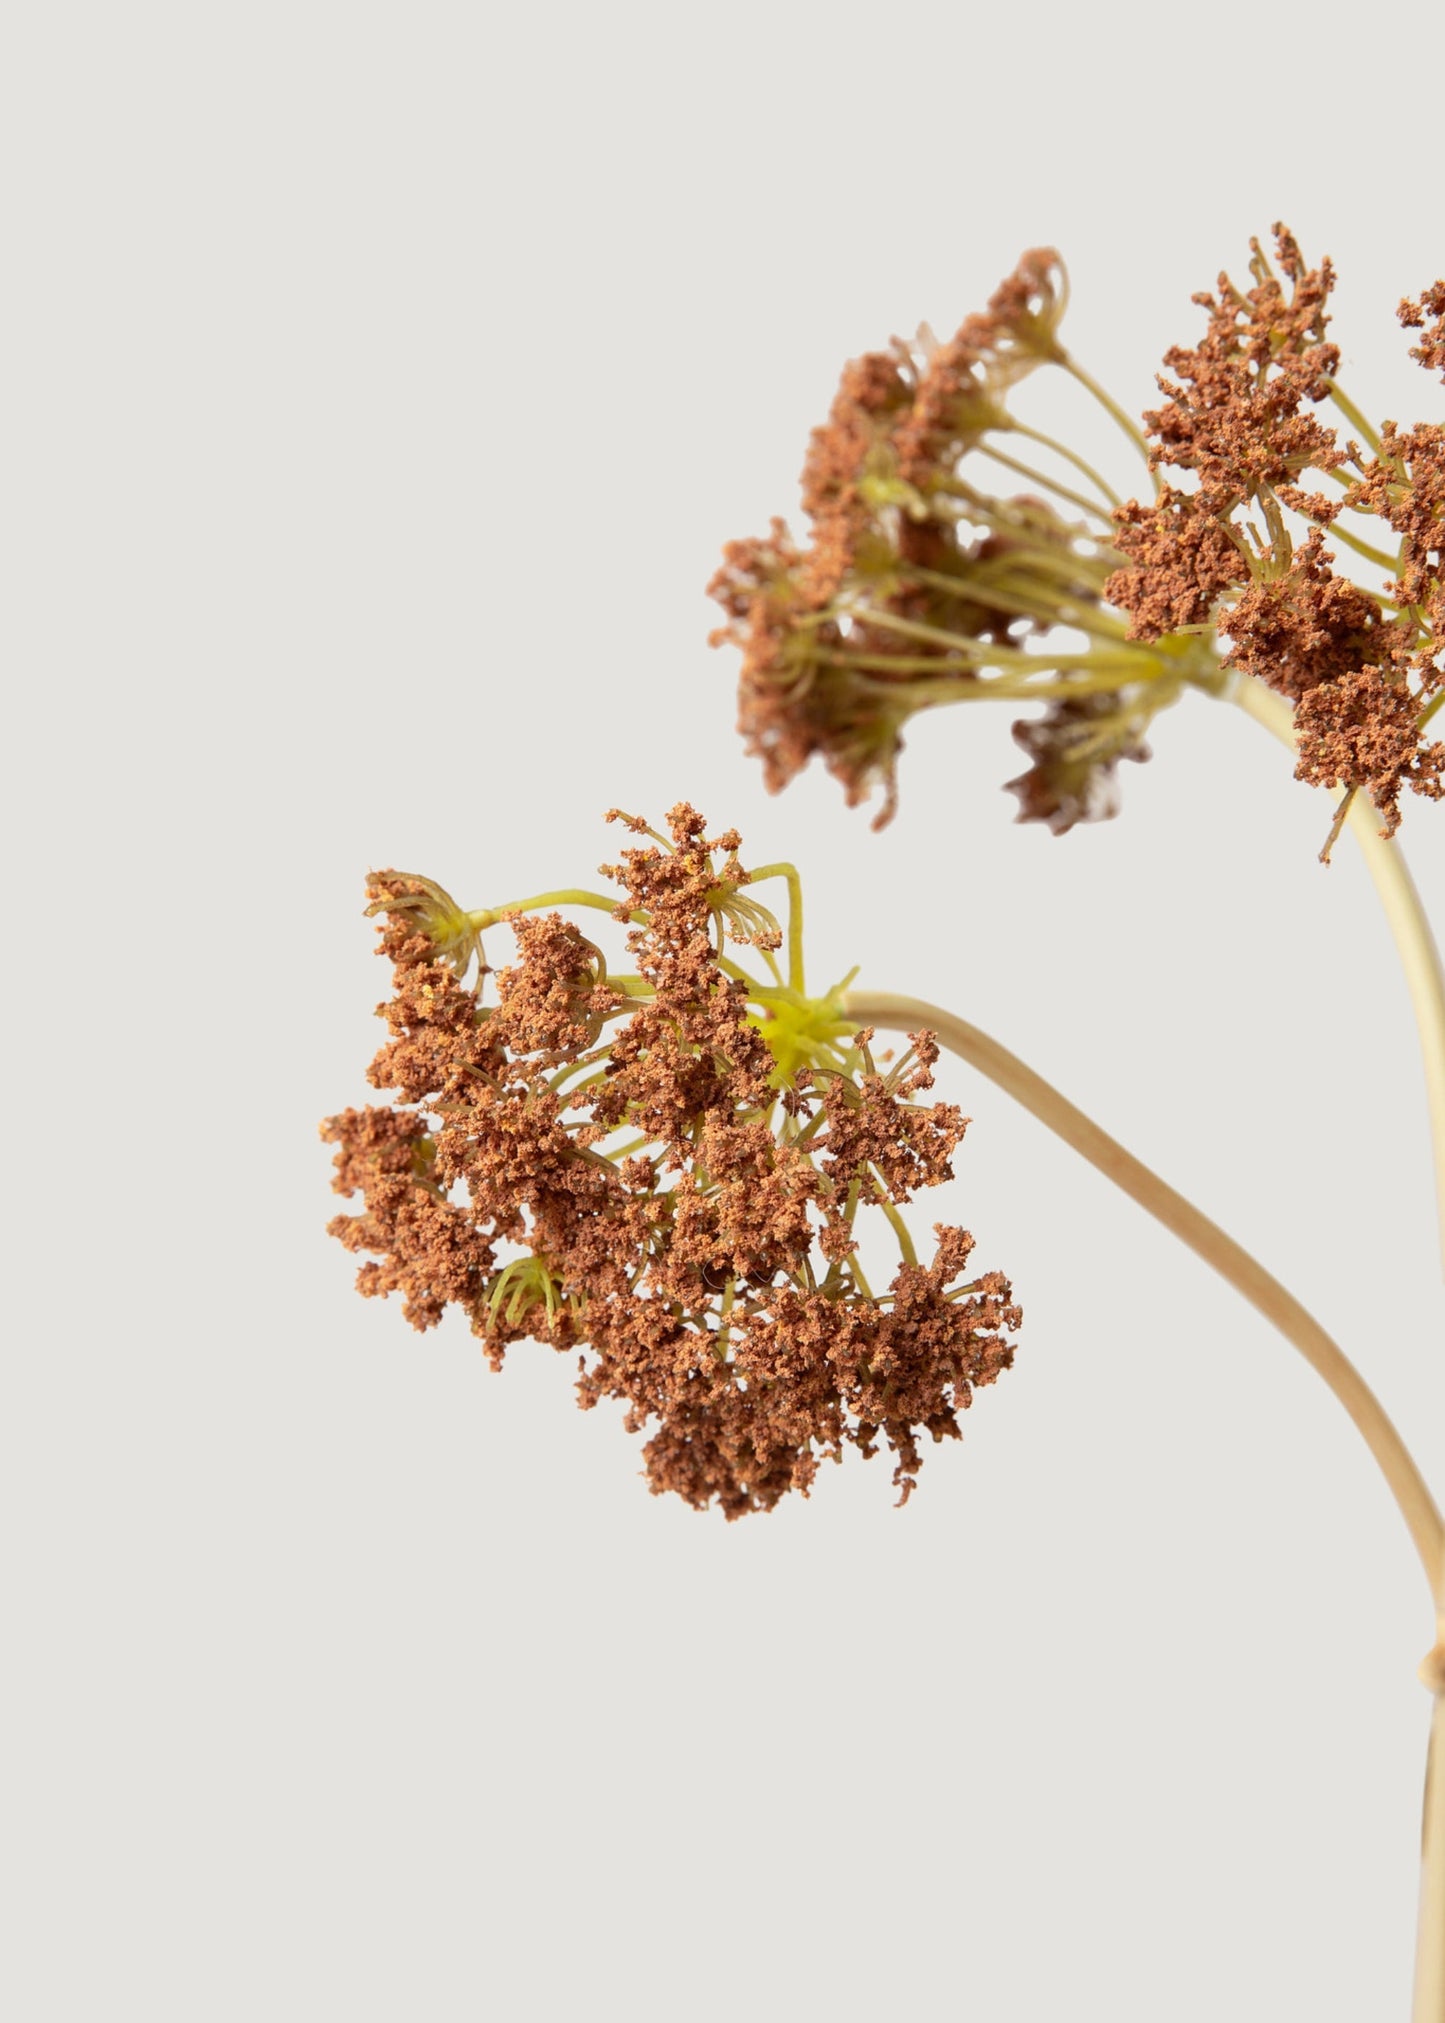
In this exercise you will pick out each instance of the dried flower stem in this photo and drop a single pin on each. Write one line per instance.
(1429, 2004)
(1353, 415)
(1372, 554)
(1032, 475)
(1111, 407)
(1264, 1292)
(541, 901)
(1080, 464)
(1419, 956)
(789, 874)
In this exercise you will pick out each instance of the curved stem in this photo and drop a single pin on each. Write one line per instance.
(1080, 464)
(1335, 532)
(1205, 1238)
(1128, 658)
(1429, 2002)
(789, 874)
(484, 917)
(1419, 957)
(981, 586)
(1111, 408)
(896, 1223)
(1034, 476)
(1353, 415)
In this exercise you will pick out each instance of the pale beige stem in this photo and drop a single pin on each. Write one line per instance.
(1205, 1238)
(1419, 957)
(1430, 1942)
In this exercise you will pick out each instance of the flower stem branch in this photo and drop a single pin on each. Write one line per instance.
(1354, 416)
(1111, 408)
(492, 916)
(789, 874)
(1032, 475)
(1419, 957)
(1080, 464)
(1264, 1292)
(1389, 563)
(1429, 2003)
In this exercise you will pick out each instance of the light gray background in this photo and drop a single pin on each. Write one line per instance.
(382, 382)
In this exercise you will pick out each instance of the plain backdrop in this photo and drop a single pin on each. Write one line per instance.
(381, 383)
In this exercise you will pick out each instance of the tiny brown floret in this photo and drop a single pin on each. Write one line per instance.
(1427, 314)
(1362, 731)
(1304, 626)
(1181, 561)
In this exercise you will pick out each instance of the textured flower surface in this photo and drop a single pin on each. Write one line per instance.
(923, 583)
(663, 1172)
(1360, 662)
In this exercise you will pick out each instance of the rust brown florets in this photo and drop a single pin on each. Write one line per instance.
(1363, 731)
(622, 1170)
(1428, 315)
(919, 583)
(1361, 664)
(1075, 749)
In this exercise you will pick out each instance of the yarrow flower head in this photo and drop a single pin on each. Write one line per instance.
(663, 1173)
(1241, 547)
(921, 583)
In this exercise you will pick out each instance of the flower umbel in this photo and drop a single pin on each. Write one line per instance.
(663, 1172)
(1243, 549)
(923, 584)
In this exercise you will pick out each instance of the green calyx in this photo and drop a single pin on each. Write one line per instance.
(804, 1032)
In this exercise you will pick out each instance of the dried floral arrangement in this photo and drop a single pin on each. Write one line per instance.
(664, 1172)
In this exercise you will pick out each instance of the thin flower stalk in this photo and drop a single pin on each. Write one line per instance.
(915, 566)
(1402, 1477)
(1429, 2001)
(1410, 927)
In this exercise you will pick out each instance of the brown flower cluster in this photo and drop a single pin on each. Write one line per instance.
(622, 1170)
(1428, 314)
(916, 578)
(1360, 664)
